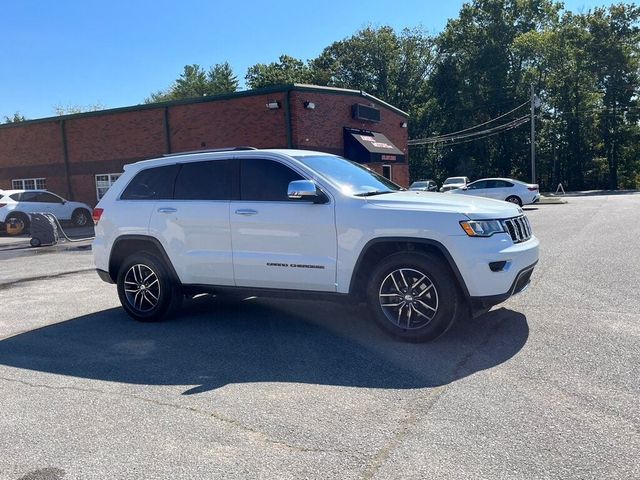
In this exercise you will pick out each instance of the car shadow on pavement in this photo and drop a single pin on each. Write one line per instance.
(217, 342)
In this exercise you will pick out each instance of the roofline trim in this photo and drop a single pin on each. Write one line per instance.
(213, 98)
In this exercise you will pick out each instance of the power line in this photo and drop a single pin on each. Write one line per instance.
(430, 139)
(522, 121)
(479, 134)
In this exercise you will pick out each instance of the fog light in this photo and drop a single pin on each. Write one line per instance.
(497, 266)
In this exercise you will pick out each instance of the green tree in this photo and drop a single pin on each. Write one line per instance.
(222, 79)
(613, 48)
(194, 81)
(393, 67)
(479, 76)
(286, 70)
(15, 118)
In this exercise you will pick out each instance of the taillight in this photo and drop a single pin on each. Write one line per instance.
(533, 188)
(97, 213)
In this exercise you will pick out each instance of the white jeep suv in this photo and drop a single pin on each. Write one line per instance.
(294, 223)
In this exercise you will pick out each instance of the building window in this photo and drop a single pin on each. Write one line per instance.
(386, 171)
(29, 184)
(104, 181)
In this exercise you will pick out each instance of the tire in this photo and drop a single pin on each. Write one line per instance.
(35, 242)
(23, 221)
(158, 298)
(514, 199)
(81, 217)
(426, 309)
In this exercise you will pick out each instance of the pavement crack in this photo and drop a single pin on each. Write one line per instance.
(432, 398)
(259, 435)
(381, 457)
(14, 283)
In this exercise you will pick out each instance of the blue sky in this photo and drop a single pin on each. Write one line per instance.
(116, 53)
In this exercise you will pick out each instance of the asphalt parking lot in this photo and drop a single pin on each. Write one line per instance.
(545, 386)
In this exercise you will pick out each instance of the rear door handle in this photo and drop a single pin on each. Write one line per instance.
(167, 210)
(246, 212)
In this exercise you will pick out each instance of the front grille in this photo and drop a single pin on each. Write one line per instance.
(518, 228)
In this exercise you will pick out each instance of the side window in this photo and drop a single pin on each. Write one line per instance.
(212, 180)
(152, 184)
(28, 196)
(503, 184)
(265, 180)
(16, 196)
(477, 185)
(43, 197)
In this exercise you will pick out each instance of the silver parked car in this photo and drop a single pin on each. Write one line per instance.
(454, 182)
(507, 189)
(424, 186)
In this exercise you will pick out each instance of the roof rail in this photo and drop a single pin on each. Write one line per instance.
(210, 150)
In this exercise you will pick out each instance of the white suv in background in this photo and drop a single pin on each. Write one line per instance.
(18, 204)
(303, 223)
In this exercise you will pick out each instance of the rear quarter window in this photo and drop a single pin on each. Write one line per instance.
(152, 184)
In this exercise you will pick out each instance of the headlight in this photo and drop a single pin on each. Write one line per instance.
(482, 228)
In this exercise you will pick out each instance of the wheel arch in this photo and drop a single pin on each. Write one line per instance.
(381, 247)
(80, 209)
(126, 245)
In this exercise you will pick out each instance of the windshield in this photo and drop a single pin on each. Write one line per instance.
(451, 180)
(350, 177)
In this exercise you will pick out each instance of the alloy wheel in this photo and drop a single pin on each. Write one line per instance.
(408, 298)
(142, 288)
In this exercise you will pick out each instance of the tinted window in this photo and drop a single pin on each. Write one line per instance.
(28, 196)
(211, 180)
(43, 197)
(16, 196)
(502, 184)
(152, 184)
(265, 180)
(478, 185)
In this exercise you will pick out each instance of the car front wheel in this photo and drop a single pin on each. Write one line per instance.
(145, 288)
(515, 200)
(413, 296)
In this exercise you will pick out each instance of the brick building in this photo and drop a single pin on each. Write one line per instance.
(78, 156)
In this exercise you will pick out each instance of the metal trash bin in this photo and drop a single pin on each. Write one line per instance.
(44, 230)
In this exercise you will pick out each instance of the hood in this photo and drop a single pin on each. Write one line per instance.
(476, 208)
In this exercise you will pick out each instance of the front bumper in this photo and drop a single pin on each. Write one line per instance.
(474, 256)
(521, 282)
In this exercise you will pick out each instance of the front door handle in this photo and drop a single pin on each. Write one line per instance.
(167, 210)
(246, 212)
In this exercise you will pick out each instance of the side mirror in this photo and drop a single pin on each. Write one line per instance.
(305, 190)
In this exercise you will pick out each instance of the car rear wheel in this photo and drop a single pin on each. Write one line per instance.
(413, 296)
(514, 199)
(81, 217)
(145, 288)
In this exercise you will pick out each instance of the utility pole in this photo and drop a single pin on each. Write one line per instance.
(533, 136)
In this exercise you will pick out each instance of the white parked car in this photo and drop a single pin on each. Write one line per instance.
(302, 223)
(452, 183)
(507, 189)
(18, 204)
